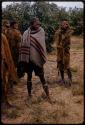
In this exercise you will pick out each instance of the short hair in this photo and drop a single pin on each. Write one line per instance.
(12, 23)
(64, 20)
(5, 22)
(33, 20)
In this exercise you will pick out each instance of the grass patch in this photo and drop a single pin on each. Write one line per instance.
(52, 117)
(61, 102)
(36, 115)
(3, 112)
(74, 69)
(44, 117)
(64, 113)
(36, 100)
(13, 114)
(39, 99)
(78, 90)
(55, 116)
(76, 82)
(36, 120)
(79, 101)
(77, 46)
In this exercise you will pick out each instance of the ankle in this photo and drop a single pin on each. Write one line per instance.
(30, 96)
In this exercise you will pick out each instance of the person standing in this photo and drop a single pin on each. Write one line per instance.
(63, 41)
(14, 38)
(7, 68)
(33, 54)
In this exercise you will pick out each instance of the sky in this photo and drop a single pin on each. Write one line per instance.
(60, 4)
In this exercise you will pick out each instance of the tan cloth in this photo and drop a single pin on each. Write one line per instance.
(62, 40)
(7, 58)
(14, 36)
(14, 39)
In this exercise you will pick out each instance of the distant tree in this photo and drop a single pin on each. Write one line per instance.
(50, 16)
(76, 19)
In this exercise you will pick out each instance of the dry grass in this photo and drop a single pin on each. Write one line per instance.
(36, 114)
(78, 89)
(52, 117)
(77, 46)
(41, 116)
(13, 114)
(48, 118)
(74, 69)
(55, 116)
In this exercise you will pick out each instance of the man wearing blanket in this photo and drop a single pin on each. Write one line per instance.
(33, 52)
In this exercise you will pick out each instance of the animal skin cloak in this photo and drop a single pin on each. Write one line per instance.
(7, 58)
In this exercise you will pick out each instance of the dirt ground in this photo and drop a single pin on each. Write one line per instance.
(68, 103)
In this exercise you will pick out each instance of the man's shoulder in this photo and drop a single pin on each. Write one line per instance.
(25, 32)
(42, 29)
(16, 31)
(3, 36)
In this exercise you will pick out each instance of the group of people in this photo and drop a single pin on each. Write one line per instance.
(10, 39)
(27, 53)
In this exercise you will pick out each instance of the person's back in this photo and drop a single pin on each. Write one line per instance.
(7, 66)
(7, 51)
(14, 38)
(8, 57)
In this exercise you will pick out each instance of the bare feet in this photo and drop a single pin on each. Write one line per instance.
(51, 101)
(28, 101)
(61, 82)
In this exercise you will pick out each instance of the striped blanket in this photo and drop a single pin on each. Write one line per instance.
(33, 47)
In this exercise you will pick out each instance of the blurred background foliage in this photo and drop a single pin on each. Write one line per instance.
(50, 16)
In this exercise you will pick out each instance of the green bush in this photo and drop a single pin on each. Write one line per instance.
(50, 16)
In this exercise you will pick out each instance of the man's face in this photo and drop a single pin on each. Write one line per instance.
(16, 26)
(64, 25)
(7, 25)
(5, 28)
(36, 25)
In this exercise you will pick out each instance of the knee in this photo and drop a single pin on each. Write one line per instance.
(68, 70)
(42, 78)
(61, 66)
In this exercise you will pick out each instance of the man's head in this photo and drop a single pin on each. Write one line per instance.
(35, 23)
(14, 25)
(64, 24)
(5, 25)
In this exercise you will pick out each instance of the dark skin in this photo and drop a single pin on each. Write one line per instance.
(35, 25)
(16, 26)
